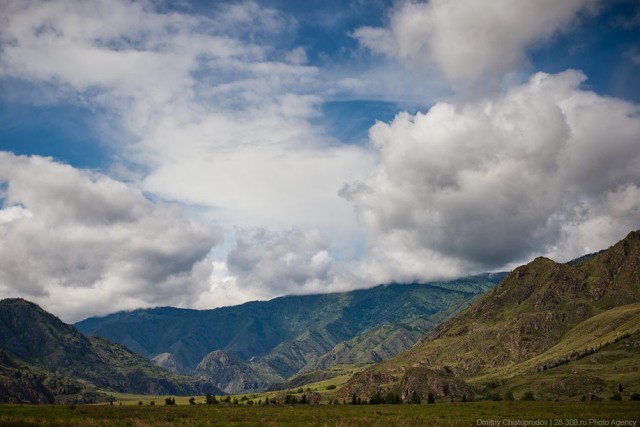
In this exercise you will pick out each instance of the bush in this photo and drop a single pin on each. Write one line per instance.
(615, 396)
(634, 396)
(331, 387)
(170, 401)
(376, 399)
(392, 398)
(528, 396)
(431, 398)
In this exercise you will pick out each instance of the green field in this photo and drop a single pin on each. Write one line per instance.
(441, 414)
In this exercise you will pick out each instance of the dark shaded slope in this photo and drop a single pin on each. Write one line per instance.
(18, 384)
(40, 340)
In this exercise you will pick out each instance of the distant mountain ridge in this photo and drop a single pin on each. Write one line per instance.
(546, 326)
(46, 360)
(279, 338)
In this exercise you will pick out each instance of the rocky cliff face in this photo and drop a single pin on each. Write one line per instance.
(169, 362)
(230, 374)
(441, 384)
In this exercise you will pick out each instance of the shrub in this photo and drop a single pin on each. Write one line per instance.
(615, 396)
(331, 387)
(495, 397)
(376, 399)
(634, 396)
(392, 398)
(528, 396)
(431, 398)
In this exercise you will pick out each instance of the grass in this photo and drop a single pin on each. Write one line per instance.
(442, 414)
(597, 331)
(598, 374)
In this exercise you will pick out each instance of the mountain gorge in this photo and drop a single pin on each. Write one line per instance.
(545, 324)
(271, 341)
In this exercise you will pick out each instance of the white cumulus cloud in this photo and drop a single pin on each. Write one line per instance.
(84, 244)
(293, 261)
(480, 185)
(468, 39)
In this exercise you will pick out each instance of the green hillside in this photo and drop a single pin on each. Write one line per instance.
(541, 320)
(284, 336)
(372, 346)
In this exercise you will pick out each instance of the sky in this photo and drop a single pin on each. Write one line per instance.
(206, 153)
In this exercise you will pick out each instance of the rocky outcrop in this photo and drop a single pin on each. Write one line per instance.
(441, 384)
(169, 362)
(230, 374)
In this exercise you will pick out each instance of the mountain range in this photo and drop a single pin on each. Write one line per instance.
(255, 345)
(549, 330)
(554, 330)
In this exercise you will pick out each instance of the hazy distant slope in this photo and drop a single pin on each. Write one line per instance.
(285, 334)
(372, 346)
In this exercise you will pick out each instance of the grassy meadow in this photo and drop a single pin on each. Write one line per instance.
(441, 414)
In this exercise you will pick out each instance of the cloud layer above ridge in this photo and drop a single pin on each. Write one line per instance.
(219, 132)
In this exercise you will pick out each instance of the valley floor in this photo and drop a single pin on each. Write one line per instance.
(625, 413)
